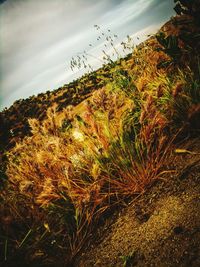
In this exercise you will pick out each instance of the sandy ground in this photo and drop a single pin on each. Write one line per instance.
(159, 228)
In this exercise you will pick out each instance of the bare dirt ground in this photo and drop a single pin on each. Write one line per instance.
(159, 228)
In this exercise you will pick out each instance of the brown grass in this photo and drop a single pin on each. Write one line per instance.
(117, 142)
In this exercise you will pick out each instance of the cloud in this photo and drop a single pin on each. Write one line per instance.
(2, 1)
(38, 38)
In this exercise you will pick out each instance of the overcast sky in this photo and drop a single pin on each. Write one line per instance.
(39, 37)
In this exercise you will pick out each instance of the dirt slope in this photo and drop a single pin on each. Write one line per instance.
(161, 227)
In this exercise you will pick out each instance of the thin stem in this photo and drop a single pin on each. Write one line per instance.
(26, 236)
(6, 250)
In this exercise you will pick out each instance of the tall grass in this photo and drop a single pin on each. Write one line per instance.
(82, 161)
(79, 172)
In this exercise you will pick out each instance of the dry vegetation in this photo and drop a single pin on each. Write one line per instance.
(83, 159)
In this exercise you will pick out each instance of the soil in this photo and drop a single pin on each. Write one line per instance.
(159, 228)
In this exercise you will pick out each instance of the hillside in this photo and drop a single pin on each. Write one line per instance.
(14, 120)
(104, 171)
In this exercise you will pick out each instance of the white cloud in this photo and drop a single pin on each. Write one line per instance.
(38, 38)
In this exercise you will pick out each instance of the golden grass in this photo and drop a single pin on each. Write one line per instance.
(116, 143)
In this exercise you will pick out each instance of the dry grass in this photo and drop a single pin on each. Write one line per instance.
(87, 166)
(81, 161)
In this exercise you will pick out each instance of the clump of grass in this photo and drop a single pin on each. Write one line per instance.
(80, 162)
(78, 171)
(170, 46)
(128, 259)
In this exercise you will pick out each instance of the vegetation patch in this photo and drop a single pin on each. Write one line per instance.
(102, 140)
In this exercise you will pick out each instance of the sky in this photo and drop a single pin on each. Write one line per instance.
(38, 38)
